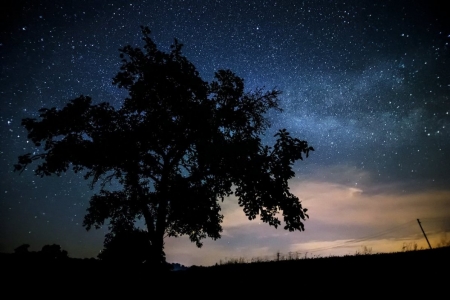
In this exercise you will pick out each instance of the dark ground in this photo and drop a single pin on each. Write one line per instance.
(418, 274)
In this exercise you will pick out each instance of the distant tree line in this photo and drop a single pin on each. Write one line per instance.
(48, 252)
(123, 248)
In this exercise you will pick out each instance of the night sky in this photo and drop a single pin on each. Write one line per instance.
(366, 83)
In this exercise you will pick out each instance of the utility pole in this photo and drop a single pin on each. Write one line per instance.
(418, 221)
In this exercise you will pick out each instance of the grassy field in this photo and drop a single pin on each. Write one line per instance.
(408, 273)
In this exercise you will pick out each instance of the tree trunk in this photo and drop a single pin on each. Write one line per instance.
(160, 229)
(161, 215)
(156, 257)
(156, 239)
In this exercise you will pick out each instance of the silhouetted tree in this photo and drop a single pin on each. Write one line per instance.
(177, 146)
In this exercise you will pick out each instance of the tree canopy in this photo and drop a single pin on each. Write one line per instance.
(177, 146)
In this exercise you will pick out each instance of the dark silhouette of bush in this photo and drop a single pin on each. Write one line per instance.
(22, 249)
(53, 252)
(126, 247)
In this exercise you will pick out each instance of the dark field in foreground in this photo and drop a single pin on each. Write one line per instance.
(424, 271)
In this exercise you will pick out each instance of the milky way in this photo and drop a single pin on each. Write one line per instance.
(366, 83)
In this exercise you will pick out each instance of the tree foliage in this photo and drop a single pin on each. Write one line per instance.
(178, 146)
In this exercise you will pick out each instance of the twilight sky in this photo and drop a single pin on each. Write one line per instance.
(366, 83)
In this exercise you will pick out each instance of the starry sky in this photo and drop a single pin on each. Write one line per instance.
(366, 83)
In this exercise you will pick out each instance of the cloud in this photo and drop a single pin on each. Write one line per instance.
(339, 204)
(343, 219)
